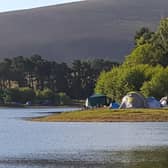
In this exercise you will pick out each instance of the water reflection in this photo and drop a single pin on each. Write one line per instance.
(141, 158)
(25, 144)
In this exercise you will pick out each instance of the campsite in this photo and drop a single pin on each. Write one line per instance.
(130, 100)
(98, 108)
(92, 112)
(134, 107)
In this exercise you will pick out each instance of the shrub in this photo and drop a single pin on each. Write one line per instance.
(12, 95)
(116, 83)
(158, 85)
(47, 95)
(26, 94)
(64, 99)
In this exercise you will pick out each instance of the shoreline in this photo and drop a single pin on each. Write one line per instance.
(107, 115)
(39, 106)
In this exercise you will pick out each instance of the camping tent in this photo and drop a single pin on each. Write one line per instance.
(134, 100)
(96, 100)
(164, 101)
(114, 105)
(153, 103)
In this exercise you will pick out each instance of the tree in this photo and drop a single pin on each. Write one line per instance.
(143, 36)
(145, 54)
(160, 41)
(161, 37)
(12, 95)
(99, 65)
(85, 74)
(18, 70)
(121, 80)
(151, 47)
(36, 73)
(60, 77)
(82, 79)
(158, 85)
(6, 73)
(100, 85)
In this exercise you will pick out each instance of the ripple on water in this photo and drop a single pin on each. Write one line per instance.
(25, 144)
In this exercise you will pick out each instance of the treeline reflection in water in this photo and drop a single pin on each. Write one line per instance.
(138, 158)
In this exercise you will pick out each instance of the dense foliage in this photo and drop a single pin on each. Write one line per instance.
(153, 48)
(29, 96)
(144, 70)
(37, 76)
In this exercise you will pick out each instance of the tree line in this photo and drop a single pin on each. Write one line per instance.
(145, 69)
(76, 79)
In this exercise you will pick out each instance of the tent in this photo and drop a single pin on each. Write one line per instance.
(153, 103)
(134, 100)
(96, 100)
(164, 101)
(114, 105)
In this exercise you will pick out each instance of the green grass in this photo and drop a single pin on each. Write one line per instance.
(108, 115)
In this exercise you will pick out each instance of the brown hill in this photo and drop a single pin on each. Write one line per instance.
(80, 30)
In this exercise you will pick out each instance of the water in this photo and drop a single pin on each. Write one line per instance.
(25, 144)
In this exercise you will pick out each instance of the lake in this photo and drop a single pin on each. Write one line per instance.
(26, 144)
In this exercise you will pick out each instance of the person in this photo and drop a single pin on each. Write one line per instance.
(114, 105)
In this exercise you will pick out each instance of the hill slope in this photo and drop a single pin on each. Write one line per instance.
(89, 29)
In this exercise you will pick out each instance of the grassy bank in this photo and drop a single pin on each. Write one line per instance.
(108, 115)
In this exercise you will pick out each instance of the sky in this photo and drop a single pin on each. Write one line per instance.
(12, 5)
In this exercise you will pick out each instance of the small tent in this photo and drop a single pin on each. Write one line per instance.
(114, 105)
(164, 101)
(96, 100)
(134, 100)
(153, 103)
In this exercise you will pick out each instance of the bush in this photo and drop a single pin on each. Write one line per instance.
(158, 85)
(12, 95)
(27, 94)
(47, 96)
(116, 83)
(64, 99)
(19, 95)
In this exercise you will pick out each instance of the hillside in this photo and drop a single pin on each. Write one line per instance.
(89, 29)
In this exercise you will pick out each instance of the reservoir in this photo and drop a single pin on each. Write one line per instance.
(26, 144)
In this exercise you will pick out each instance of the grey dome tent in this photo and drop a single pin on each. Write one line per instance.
(134, 100)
